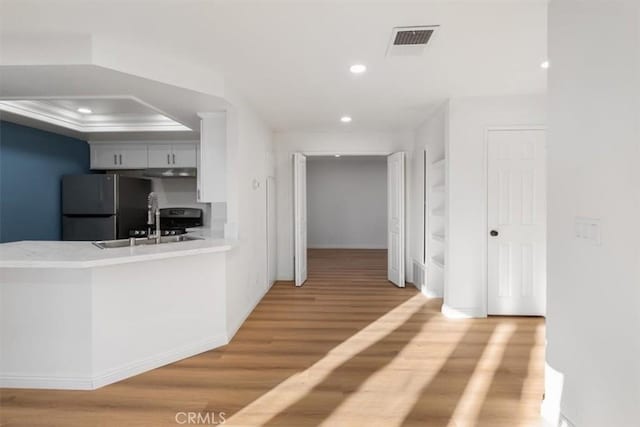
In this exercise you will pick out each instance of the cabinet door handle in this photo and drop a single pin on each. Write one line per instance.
(174, 158)
(115, 159)
(168, 159)
(120, 156)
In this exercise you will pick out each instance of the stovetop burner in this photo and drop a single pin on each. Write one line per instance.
(172, 231)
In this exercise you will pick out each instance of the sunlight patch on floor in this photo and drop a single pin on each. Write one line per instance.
(470, 404)
(387, 392)
(297, 386)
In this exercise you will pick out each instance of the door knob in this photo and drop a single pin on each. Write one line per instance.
(494, 233)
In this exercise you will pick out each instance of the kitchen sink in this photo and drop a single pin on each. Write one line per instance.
(123, 243)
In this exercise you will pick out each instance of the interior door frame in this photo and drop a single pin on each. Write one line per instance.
(340, 153)
(298, 280)
(485, 221)
(425, 211)
(270, 194)
(403, 223)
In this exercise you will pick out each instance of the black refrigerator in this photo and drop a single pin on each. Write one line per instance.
(102, 206)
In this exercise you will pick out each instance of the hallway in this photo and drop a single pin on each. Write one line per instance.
(347, 349)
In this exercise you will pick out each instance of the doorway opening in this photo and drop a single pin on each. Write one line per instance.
(349, 217)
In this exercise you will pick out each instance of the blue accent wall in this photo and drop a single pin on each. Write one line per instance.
(32, 163)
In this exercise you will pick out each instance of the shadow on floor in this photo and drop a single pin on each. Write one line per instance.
(436, 403)
(349, 376)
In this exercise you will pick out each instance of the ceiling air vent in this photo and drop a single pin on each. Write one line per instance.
(410, 40)
(409, 37)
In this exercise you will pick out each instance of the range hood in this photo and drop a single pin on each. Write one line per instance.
(170, 173)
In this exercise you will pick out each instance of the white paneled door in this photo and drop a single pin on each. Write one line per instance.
(300, 217)
(517, 222)
(395, 218)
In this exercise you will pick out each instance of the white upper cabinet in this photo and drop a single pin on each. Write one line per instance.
(181, 155)
(184, 155)
(118, 156)
(212, 158)
(126, 155)
(159, 155)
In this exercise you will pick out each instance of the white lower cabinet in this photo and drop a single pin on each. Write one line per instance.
(118, 156)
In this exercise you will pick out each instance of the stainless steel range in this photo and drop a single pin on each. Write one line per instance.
(173, 222)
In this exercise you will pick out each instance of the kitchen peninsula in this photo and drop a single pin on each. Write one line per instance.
(74, 316)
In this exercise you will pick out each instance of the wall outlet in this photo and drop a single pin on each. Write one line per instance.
(588, 230)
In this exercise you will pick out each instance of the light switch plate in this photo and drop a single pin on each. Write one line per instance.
(588, 230)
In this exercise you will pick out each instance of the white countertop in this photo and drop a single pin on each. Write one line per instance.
(46, 254)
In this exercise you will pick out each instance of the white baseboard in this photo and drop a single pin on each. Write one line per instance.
(45, 382)
(233, 329)
(363, 246)
(462, 312)
(565, 422)
(113, 375)
(149, 363)
(430, 294)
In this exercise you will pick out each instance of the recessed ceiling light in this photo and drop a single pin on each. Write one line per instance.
(545, 65)
(337, 155)
(358, 68)
(345, 119)
(84, 110)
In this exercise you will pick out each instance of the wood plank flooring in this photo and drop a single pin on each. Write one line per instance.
(347, 349)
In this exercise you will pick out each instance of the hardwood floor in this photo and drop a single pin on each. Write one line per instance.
(347, 349)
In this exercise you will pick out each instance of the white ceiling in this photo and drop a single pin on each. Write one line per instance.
(290, 59)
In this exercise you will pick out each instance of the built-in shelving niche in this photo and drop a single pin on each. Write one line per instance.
(435, 235)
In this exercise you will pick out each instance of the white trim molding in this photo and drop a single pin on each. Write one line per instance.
(347, 246)
(430, 294)
(462, 312)
(92, 382)
(50, 110)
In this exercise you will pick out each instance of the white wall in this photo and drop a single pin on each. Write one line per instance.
(593, 305)
(465, 290)
(250, 162)
(287, 143)
(347, 202)
(431, 136)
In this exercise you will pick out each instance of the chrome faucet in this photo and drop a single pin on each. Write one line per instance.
(153, 216)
